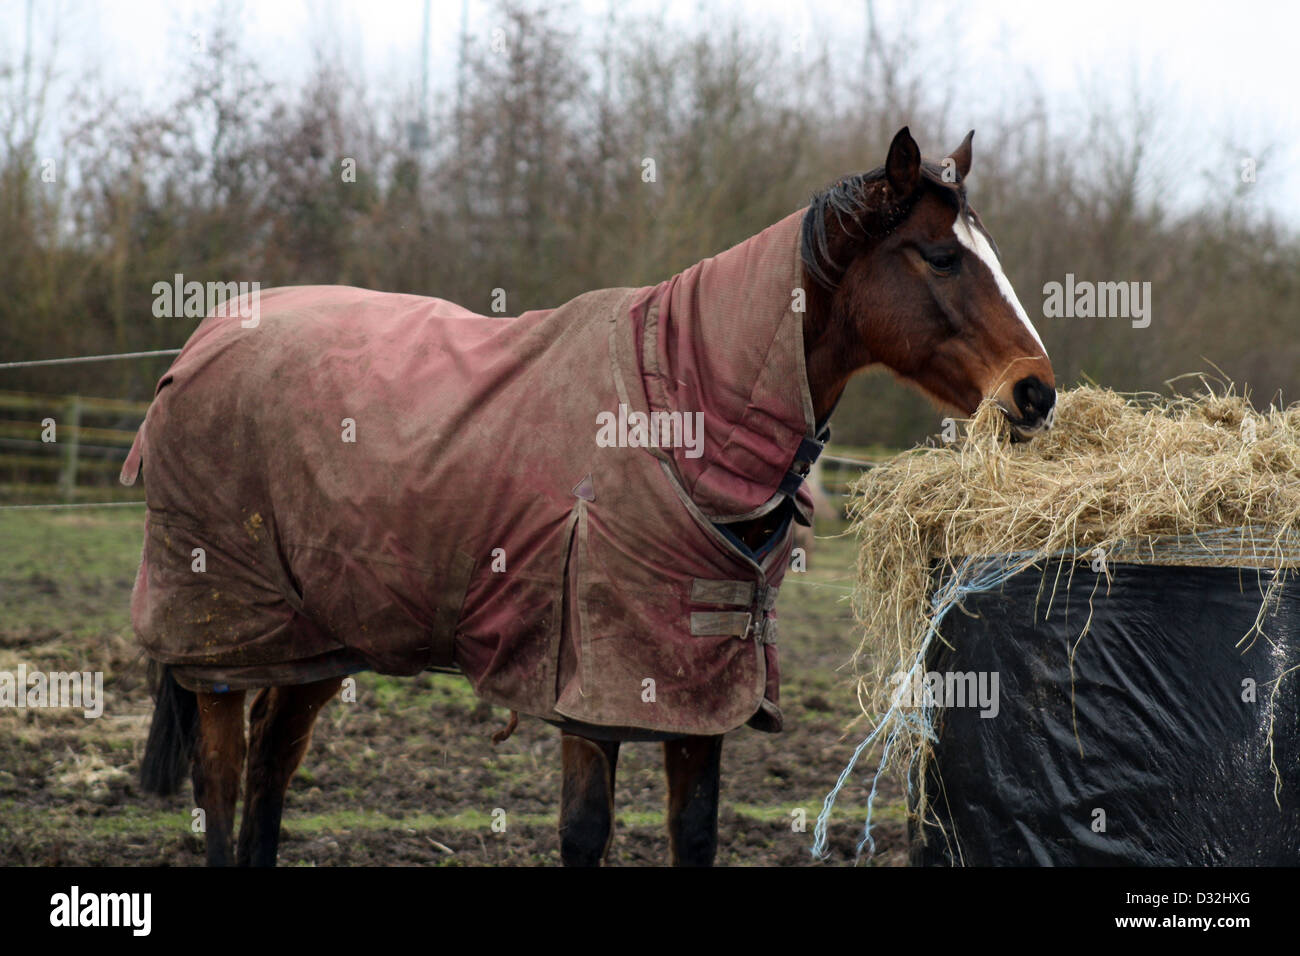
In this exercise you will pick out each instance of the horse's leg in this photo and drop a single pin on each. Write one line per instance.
(218, 760)
(279, 730)
(693, 764)
(586, 799)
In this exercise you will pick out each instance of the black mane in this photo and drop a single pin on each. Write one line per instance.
(859, 198)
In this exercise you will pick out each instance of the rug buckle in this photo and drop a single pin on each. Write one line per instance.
(759, 621)
(763, 629)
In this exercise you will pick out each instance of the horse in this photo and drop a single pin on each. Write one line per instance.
(891, 267)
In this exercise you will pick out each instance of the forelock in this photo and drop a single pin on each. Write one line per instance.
(953, 193)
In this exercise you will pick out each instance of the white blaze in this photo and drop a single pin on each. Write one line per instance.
(973, 239)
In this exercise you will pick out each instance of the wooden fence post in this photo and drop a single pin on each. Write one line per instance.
(72, 429)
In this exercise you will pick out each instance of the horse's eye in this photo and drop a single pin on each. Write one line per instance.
(945, 263)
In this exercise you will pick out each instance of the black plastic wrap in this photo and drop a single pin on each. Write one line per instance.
(1171, 753)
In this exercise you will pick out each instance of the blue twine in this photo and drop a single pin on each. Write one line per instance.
(972, 576)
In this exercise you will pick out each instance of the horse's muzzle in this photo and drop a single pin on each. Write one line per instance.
(1035, 408)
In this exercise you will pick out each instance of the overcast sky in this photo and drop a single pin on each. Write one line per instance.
(1224, 71)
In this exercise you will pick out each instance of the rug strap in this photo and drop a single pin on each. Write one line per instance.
(756, 622)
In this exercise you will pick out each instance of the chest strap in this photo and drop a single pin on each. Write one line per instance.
(756, 622)
(810, 449)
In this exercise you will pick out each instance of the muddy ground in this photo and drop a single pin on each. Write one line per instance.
(407, 774)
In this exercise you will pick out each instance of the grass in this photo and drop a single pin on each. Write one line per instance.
(137, 821)
(57, 569)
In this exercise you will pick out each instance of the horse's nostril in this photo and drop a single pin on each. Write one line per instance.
(1034, 399)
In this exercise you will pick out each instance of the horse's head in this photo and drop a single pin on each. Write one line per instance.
(904, 274)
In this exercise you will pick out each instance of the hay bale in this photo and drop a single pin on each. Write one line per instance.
(1199, 479)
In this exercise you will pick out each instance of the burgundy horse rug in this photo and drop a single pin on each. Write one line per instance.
(361, 480)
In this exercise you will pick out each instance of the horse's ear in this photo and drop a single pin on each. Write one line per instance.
(903, 164)
(961, 156)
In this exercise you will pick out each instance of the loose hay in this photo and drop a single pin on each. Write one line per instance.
(1200, 479)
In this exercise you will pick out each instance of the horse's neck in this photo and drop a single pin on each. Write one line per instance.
(827, 355)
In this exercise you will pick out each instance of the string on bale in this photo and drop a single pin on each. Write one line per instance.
(1179, 479)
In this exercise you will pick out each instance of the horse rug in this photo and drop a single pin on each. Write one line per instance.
(362, 480)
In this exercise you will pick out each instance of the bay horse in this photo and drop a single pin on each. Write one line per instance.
(898, 271)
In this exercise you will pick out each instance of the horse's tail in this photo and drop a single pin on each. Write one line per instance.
(170, 747)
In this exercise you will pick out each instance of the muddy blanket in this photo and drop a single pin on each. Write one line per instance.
(367, 480)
